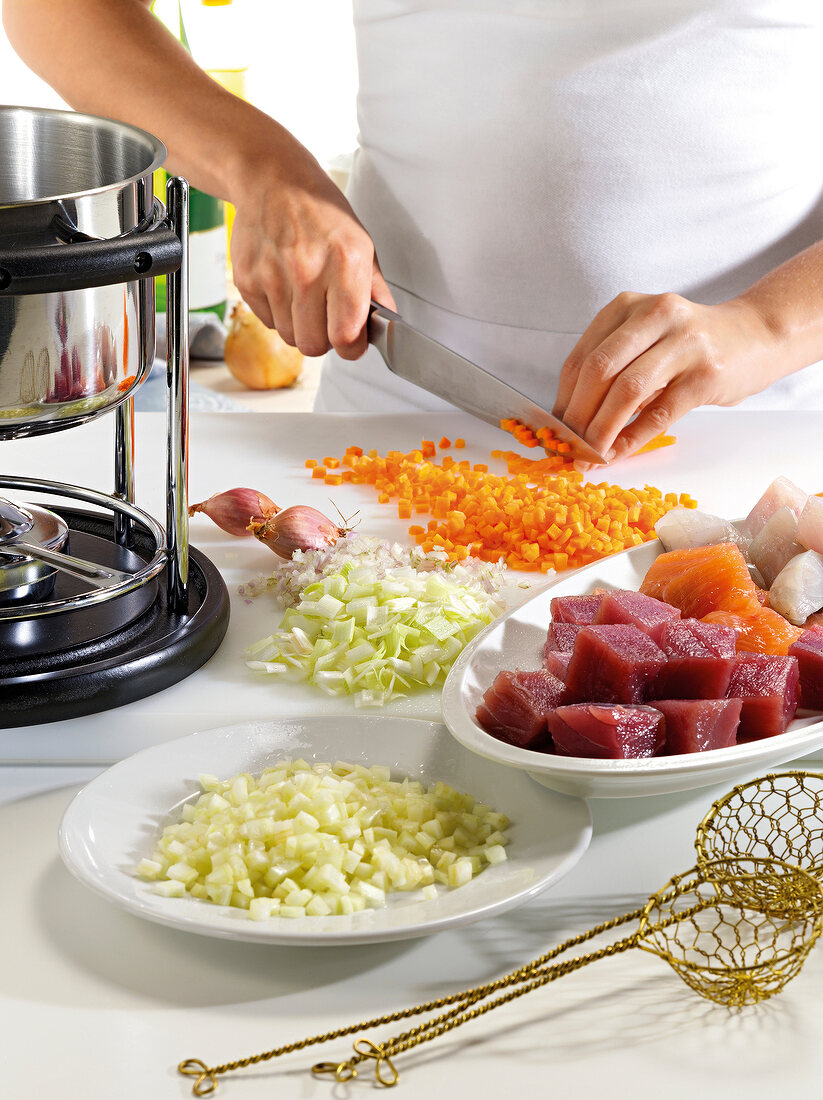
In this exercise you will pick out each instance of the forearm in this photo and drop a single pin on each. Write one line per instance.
(789, 299)
(114, 58)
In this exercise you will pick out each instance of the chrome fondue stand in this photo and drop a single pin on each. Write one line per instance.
(174, 595)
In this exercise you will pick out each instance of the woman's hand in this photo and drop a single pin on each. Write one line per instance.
(656, 356)
(301, 259)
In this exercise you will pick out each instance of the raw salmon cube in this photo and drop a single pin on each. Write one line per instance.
(613, 664)
(636, 609)
(768, 686)
(808, 650)
(696, 725)
(606, 731)
(575, 609)
(514, 708)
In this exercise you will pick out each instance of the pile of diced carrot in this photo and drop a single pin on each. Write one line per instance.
(553, 445)
(542, 516)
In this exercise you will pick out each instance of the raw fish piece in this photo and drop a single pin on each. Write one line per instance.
(701, 580)
(694, 678)
(810, 525)
(612, 664)
(808, 650)
(698, 725)
(557, 663)
(768, 687)
(694, 638)
(759, 630)
(636, 609)
(797, 590)
(575, 609)
(684, 528)
(547, 690)
(514, 710)
(780, 493)
(599, 731)
(775, 545)
(561, 636)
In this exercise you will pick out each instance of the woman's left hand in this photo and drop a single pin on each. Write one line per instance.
(656, 356)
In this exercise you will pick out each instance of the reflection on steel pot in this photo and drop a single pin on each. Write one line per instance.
(81, 240)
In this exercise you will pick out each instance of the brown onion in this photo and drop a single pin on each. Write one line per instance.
(297, 528)
(257, 356)
(235, 509)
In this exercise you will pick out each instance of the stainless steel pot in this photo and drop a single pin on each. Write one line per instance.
(81, 240)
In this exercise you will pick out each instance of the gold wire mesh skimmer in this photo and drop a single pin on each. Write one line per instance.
(778, 816)
(736, 928)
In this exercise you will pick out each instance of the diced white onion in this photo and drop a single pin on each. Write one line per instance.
(322, 839)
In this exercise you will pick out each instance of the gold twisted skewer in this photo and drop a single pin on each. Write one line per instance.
(736, 927)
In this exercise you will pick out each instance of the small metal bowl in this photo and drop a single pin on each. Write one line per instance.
(24, 580)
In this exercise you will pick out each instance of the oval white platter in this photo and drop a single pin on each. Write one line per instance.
(114, 821)
(515, 641)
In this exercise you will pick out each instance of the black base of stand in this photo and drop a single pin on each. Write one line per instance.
(114, 653)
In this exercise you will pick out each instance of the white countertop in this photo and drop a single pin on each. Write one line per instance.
(96, 1003)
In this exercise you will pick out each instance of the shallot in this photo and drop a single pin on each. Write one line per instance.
(297, 528)
(234, 510)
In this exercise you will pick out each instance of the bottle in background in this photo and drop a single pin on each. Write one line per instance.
(217, 32)
(211, 33)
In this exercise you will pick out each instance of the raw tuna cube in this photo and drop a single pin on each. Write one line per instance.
(694, 638)
(635, 608)
(608, 732)
(694, 678)
(514, 708)
(575, 609)
(768, 687)
(557, 663)
(561, 637)
(696, 725)
(613, 664)
(547, 690)
(808, 650)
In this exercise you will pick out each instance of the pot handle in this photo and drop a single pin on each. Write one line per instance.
(84, 264)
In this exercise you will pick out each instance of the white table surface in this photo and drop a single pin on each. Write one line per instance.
(96, 1003)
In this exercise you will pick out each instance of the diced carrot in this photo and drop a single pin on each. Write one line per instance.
(311, 463)
(331, 463)
(541, 515)
(444, 443)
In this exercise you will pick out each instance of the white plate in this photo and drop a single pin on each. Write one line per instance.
(114, 821)
(515, 641)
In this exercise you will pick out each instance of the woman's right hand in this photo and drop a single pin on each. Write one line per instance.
(301, 259)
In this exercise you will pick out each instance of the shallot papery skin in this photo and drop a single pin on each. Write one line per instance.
(297, 528)
(234, 510)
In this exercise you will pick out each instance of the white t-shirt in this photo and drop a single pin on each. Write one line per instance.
(521, 162)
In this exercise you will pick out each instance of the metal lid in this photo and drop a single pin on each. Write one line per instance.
(18, 573)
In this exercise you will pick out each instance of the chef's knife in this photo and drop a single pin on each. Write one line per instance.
(416, 357)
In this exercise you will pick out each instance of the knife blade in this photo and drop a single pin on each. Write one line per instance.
(412, 355)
